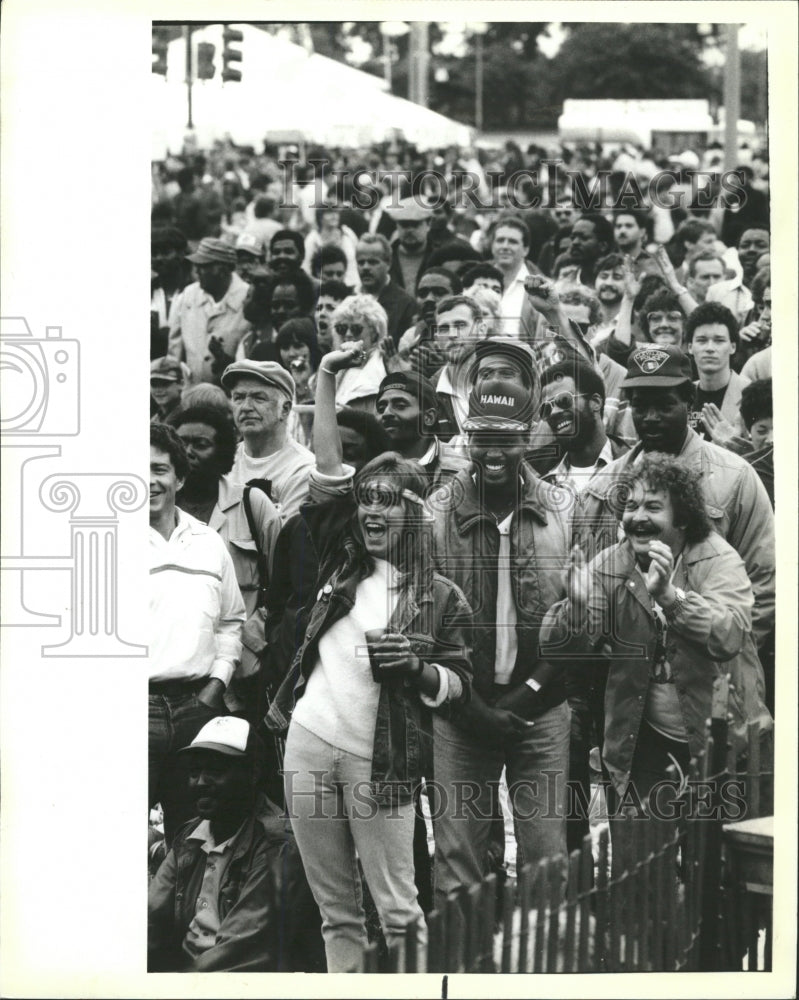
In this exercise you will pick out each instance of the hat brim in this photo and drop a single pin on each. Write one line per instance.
(252, 252)
(229, 378)
(655, 381)
(201, 258)
(494, 424)
(216, 747)
(155, 377)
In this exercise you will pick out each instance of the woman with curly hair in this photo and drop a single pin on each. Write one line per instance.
(669, 607)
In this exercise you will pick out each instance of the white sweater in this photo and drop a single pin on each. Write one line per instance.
(339, 704)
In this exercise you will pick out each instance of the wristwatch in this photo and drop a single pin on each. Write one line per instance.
(678, 605)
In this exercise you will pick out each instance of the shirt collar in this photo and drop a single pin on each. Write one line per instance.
(202, 833)
(605, 457)
(430, 455)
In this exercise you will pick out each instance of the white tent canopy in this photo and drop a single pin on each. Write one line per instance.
(285, 88)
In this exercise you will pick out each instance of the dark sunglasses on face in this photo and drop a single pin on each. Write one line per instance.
(342, 329)
(563, 401)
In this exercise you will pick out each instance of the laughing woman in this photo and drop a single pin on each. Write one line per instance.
(360, 731)
(671, 608)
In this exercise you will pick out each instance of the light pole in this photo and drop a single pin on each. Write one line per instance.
(390, 30)
(478, 29)
(732, 98)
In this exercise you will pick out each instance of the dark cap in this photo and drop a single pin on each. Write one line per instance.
(657, 367)
(415, 385)
(499, 405)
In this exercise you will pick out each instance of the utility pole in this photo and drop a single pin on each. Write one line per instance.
(189, 73)
(732, 98)
(419, 63)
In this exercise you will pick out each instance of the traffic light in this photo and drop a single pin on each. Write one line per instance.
(205, 61)
(230, 55)
(160, 48)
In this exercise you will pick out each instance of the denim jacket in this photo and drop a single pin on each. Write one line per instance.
(436, 622)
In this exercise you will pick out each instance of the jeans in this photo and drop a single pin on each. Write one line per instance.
(174, 721)
(466, 781)
(333, 816)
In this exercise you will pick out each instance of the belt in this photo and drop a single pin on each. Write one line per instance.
(177, 688)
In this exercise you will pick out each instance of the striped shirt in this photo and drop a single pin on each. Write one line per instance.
(196, 608)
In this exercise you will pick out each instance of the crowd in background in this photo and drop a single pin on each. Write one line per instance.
(462, 474)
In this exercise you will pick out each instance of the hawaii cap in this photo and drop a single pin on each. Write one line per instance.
(499, 405)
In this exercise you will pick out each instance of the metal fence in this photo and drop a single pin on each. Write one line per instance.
(674, 909)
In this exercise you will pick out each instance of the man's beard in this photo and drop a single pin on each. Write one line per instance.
(202, 482)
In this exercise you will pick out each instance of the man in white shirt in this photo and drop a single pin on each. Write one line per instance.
(261, 396)
(196, 616)
(508, 251)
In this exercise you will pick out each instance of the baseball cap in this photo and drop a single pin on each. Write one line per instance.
(249, 243)
(513, 350)
(225, 734)
(658, 367)
(167, 369)
(499, 405)
(410, 210)
(213, 251)
(415, 385)
(269, 372)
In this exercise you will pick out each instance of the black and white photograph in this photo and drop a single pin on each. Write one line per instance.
(462, 579)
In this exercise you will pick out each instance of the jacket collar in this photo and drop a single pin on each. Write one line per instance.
(469, 510)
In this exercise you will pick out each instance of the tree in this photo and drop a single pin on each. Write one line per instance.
(627, 61)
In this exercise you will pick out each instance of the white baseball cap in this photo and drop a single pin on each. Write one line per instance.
(225, 734)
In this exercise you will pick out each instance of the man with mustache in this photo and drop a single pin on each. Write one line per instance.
(660, 386)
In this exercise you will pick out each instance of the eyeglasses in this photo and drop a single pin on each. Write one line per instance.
(658, 317)
(343, 328)
(563, 401)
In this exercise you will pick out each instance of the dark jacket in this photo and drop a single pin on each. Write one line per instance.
(395, 272)
(400, 309)
(436, 620)
(268, 919)
(467, 550)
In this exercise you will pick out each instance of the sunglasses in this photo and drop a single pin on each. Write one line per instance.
(343, 328)
(563, 401)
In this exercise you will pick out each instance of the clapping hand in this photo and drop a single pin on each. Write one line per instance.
(661, 568)
(578, 586)
(392, 360)
(718, 427)
(666, 268)
(221, 358)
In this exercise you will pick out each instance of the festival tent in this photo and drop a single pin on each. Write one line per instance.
(284, 88)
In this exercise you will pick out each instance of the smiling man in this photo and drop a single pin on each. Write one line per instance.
(661, 392)
(231, 895)
(196, 616)
(504, 541)
(407, 409)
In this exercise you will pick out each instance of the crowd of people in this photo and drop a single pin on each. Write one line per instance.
(457, 506)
